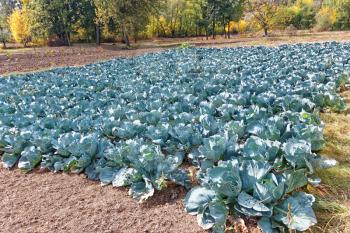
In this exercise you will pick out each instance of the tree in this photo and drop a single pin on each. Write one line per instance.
(223, 10)
(342, 8)
(59, 17)
(19, 22)
(230, 10)
(129, 17)
(4, 32)
(263, 12)
(6, 8)
(180, 18)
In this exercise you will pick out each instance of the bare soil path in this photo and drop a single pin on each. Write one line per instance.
(51, 202)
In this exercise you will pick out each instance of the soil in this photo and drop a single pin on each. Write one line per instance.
(44, 58)
(33, 59)
(48, 202)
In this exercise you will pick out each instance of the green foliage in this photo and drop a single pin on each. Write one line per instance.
(127, 17)
(4, 31)
(342, 8)
(325, 19)
(185, 46)
(283, 18)
(305, 17)
(57, 18)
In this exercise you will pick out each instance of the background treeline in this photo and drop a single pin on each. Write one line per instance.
(59, 22)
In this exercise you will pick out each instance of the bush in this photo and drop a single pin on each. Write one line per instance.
(240, 27)
(283, 18)
(343, 15)
(305, 13)
(325, 19)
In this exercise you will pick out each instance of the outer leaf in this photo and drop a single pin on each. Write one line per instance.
(296, 212)
(197, 199)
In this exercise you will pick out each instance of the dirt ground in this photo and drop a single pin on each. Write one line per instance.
(62, 203)
(31, 59)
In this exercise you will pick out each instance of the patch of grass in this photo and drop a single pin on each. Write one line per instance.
(333, 205)
(337, 180)
(337, 221)
(337, 133)
(185, 45)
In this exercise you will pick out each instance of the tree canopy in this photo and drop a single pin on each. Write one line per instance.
(62, 21)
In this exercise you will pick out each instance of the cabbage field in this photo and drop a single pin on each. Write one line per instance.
(238, 127)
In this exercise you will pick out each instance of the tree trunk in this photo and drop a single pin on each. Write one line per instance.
(25, 42)
(98, 41)
(228, 30)
(223, 27)
(266, 33)
(213, 27)
(125, 36)
(126, 40)
(4, 44)
(206, 33)
(67, 38)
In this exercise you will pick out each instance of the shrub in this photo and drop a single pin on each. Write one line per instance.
(283, 18)
(343, 15)
(325, 19)
(305, 13)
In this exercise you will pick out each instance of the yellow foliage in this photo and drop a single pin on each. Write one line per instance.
(19, 22)
(243, 26)
(328, 12)
(325, 18)
(240, 26)
(296, 7)
(164, 25)
(80, 34)
(25, 2)
(301, 3)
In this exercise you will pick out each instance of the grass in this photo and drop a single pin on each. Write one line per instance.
(333, 204)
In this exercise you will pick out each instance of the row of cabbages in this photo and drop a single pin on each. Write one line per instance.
(246, 118)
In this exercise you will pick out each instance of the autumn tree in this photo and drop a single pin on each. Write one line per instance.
(263, 11)
(20, 26)
(222, 11)
(127, 17)
(180, 18)
(59, 17)
(6, 8)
